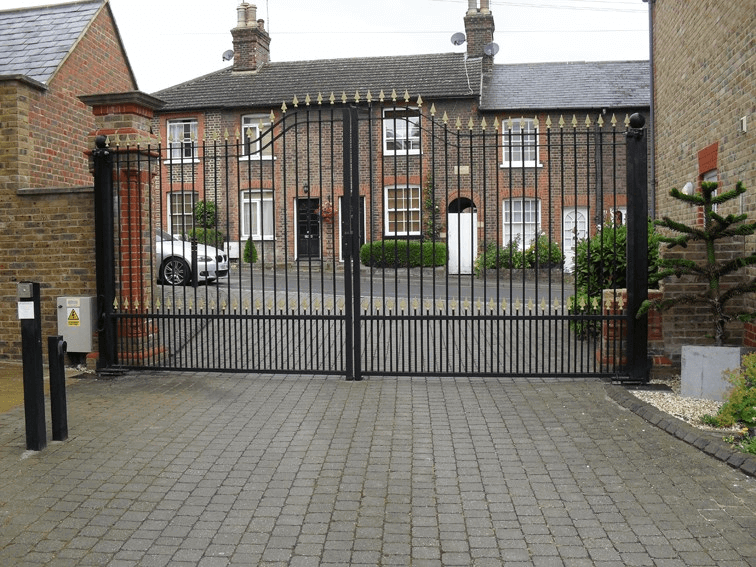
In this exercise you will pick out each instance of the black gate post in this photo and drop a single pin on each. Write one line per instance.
(350, 227)
(104, 252)
(638, 363)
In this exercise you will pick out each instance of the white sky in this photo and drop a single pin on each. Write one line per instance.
(171, 41)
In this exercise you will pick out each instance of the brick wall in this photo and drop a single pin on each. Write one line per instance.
(705, 75)
(46, 200)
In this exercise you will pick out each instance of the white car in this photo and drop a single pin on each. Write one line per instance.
(174, 261)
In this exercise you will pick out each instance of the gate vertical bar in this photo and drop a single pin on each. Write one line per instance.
(350, 220)
(637, 249)
(104, 252)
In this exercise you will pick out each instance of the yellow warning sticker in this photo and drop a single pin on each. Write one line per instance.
(73, 318)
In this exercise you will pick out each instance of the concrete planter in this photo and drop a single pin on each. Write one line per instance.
(703, 367)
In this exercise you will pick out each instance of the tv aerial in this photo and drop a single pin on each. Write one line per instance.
(228, 55)
(458, 38)
(491, 49)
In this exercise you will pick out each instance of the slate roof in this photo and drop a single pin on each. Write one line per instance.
(445, 75)
(572, 85)
(35, 41)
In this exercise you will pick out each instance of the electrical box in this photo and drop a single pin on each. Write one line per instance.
(77, 322)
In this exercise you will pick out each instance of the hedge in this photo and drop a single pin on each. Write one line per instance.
(403, 254)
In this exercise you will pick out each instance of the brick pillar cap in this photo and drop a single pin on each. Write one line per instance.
(132, 97)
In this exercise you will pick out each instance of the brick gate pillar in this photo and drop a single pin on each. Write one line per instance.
(125, 120)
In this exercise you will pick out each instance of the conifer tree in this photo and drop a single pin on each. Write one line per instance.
(712, 271)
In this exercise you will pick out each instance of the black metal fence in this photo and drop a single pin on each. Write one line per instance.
(376, 239)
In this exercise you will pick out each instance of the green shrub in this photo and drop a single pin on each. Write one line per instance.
(494, 258)
(403, 254)
(206, 214)
(544, 254)
(601, 263)
(740, 406)
(208, 236)
(250, 252)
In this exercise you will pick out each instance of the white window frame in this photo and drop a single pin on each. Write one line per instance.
(392, 211)
(532, 207)
(256, 131)
(183, 139)
(187, 215)
(251, 200)
(513, 145)
(396, 130)
(712, 176)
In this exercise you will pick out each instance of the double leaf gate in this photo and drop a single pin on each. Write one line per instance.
(380, 238)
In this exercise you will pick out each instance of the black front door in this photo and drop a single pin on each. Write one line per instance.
(308, 228)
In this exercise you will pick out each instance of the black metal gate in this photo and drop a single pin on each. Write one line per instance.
(381, 238)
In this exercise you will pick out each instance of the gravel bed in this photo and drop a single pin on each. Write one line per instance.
(690, 410)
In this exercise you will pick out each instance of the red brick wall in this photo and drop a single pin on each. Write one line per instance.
(46, 201)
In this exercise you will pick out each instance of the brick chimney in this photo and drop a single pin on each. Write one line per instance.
(479, 29)
(251, 41)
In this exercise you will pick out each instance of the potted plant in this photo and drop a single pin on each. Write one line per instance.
(702, 366)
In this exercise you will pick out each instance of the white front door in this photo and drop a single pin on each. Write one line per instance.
(463, 241)
(575, 229)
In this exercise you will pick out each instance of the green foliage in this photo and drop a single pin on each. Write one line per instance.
(541, 254)
(403, 254)
(740, 406)
(709, 270)
(544, 254)
(601, 263)
(208, 236)
(494, 258)
(205, 219)
(431, 212)
(250, 252)
(205, 214)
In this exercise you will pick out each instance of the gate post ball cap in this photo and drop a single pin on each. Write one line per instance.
(100, 141)
(637, 121)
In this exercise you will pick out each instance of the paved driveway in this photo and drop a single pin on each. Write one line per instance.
(219, 469)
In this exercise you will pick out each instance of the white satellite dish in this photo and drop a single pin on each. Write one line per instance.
(458, 38)
(228, 55)
(491, 49)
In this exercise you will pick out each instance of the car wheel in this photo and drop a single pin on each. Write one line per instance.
(175, 271)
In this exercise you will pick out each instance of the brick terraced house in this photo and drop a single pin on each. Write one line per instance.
(49, 56)
(516, 130)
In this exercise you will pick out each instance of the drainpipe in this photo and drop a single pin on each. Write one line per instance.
(651, 111)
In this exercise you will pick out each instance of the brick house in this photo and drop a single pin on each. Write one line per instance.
(50, 56)
(704, 59)
(519, 109)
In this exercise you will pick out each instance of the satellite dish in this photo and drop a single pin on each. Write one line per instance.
(228, 55)
(491, 49)
(458, 38)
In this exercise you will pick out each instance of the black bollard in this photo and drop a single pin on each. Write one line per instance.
(31, 353)
(56, 352)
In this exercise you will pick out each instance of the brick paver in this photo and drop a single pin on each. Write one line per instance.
(217, 469)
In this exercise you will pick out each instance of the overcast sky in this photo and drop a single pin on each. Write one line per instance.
(172, 41)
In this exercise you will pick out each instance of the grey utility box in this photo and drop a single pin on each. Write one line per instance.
(77, 322)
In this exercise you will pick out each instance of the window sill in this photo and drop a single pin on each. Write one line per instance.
(520, 165)
(402, 153)
(183, 161)
(257, 158)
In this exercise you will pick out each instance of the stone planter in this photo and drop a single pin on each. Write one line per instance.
(703, 367)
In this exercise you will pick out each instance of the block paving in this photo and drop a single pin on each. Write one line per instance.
(209, 470)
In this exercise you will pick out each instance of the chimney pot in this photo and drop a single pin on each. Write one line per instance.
(251, 15)
(472, 6)
(241, 15)
(485, 6)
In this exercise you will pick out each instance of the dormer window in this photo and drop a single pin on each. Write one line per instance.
(401, 131)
